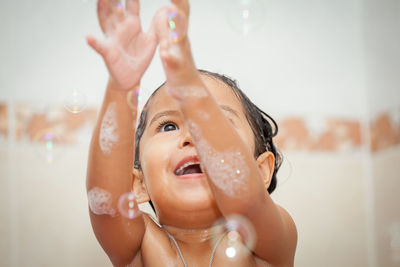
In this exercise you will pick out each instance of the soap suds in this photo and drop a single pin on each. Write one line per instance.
(100, 202)
(227, 170)
(109, 130)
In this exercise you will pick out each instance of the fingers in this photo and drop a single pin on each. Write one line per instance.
(158, 27)
(104, 13)
(97, 45)
(170, 23)
(183, 5)
(133, 7)
(110, 12)
(117, 9)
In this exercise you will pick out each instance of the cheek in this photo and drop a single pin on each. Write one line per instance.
(247, 136)
(154, 159)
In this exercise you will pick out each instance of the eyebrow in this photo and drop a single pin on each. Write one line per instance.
(164, 114)
(229, 109)
(176, 113)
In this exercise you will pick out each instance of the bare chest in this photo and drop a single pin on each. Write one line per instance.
(167, 254)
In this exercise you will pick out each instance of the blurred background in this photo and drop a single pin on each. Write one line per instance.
(327, 71)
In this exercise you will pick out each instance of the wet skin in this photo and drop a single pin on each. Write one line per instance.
(182, 203)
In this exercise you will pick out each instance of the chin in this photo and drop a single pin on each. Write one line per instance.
(196, 199)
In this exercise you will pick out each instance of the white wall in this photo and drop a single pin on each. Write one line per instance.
(310, 58)
(382, 42)
(306, 58)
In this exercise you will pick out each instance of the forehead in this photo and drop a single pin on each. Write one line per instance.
(221, 92)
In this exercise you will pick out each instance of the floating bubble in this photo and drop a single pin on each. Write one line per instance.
(177, 26)
(75, 102)
(235, 237)
(245, 15)
(127, 205)
(117, 3)
(46, 141)
(134, 98)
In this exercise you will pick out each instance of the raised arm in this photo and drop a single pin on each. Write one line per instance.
(236, 178)
(127, 52)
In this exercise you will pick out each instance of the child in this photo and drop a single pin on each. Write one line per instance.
(203, 152)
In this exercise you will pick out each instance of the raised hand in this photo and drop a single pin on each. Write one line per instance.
(126, 50)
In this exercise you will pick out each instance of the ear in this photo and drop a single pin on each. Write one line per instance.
(266, 165)
(139, 186)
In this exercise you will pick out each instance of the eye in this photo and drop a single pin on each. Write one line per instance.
(167, 126)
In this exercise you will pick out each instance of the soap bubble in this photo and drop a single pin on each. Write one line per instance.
(245, 15)
(46, 145)
(134, 98)
(75, 102)
(127, 205)
(177, 26)
(235, 236)
(117, 3)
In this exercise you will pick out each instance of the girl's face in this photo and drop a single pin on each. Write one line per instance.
(166, 141)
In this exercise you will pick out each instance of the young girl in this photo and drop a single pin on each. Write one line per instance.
(203, 154)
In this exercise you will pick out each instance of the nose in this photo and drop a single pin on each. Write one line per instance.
(186, 139)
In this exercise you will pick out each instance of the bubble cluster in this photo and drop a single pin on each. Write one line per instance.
(227, 170)
(109, 135)
(100, 201)
(177, 26)
(245, 15)
(127, 205)
(238, 237)
(75, 102)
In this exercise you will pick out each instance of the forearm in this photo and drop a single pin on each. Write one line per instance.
(112, 145)
(231, 169)
(233, 174)
(109, 175)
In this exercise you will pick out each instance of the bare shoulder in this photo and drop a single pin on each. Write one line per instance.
(153, 231)
(290, 227)
(155, 242)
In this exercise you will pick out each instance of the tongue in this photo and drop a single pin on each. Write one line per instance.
(192, 169)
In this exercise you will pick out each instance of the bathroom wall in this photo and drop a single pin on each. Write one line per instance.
(328, 71)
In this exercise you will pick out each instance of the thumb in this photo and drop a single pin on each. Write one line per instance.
(98, 46)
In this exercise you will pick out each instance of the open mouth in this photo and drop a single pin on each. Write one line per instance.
(189, 167)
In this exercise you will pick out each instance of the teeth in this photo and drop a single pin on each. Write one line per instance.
(179, 171)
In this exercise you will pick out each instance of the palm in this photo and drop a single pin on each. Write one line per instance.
(127, 50)
(129, 53)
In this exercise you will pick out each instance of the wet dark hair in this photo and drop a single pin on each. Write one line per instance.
(263, 126)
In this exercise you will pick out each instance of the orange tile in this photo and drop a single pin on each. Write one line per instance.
(293, 134)
(383, 134)
(3, 120)
(33, 125)
(336, 135)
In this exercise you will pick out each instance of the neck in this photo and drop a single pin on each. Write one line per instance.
(191, 236)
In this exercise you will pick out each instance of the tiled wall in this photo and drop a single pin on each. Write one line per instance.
(322, 183)
(296, 133)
